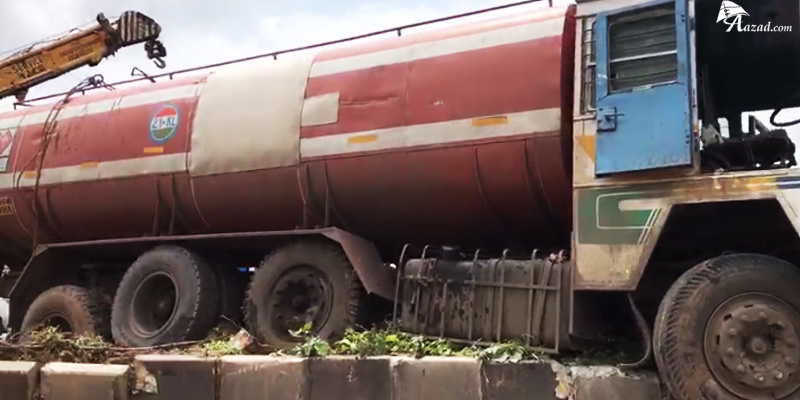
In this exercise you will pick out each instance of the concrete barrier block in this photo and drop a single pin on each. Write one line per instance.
(604, 383)
(174, 377)
(436, 378)
(349, 378)
(253, 377)
(589, 385)
(526, 380)
(19, 380)
(64, 381)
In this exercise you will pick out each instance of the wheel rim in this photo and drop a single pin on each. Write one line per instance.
(154, 304)
(299, 296)
(752, 346)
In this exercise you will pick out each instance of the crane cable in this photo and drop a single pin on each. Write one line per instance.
(772, 121)
(48, 133)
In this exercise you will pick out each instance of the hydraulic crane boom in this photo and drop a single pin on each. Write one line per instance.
(22, 71)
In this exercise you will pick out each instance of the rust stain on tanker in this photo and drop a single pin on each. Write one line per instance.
(6, 206)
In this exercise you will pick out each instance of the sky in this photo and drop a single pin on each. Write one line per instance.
(212, 31)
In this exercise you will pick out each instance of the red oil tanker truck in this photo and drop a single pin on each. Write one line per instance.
(560, 176)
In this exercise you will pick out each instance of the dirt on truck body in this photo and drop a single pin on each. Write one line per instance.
(565, 177)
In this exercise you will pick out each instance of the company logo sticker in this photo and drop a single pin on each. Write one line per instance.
(164, 123)
(732, 14)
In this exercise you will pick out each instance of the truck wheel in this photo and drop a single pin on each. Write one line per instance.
(168, 295)
(299, 284)
(71, 309)
(729, 328)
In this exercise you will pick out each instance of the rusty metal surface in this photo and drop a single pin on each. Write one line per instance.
(513, 189)
(443, 295)
(375, 276)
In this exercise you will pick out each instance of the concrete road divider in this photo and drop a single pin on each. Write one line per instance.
(250, 377)
(526, 380)
(595, 383)
(19, 380)
(605, 383)
(348, 378)
(436, 379)
(332, 378)
(174, 378)
(63, 381)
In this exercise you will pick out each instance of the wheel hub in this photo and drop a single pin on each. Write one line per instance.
(301, 295)
(751, 346)
(60, 321)
(154, 304)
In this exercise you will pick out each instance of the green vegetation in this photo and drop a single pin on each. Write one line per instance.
(373, 343)
(49, 344)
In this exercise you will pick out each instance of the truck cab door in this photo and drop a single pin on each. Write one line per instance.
(644, 81)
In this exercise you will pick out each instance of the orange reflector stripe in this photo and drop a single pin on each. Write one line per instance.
(153, 150)
(488, 121)
(362, 139)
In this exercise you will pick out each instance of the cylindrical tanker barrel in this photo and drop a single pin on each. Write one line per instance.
(453, 136)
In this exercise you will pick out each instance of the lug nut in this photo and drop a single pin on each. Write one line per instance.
(744, 317)
(732, 332)
(762, 315)
(780, 324)
(760, 378)
(740, 368)
(778, 375)
(789, 361)
(729, 351)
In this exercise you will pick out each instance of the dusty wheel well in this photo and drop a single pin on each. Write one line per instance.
(64, 262)
(697, 232)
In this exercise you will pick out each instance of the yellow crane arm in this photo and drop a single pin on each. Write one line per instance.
(22, 71)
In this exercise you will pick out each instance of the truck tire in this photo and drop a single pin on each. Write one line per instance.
(299, 284)
(168, 295)
(728, 329)
(71, 309)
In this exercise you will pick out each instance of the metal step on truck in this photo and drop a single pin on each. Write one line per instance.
(559, 176)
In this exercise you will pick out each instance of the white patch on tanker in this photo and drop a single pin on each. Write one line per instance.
(594, 7)
(104, 106)
(449, 132)
(160, 164)
(248, 116)
(419, 51)
(12, 122)
(320, 110)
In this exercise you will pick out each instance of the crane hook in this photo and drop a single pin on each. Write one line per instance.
(155, 51)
